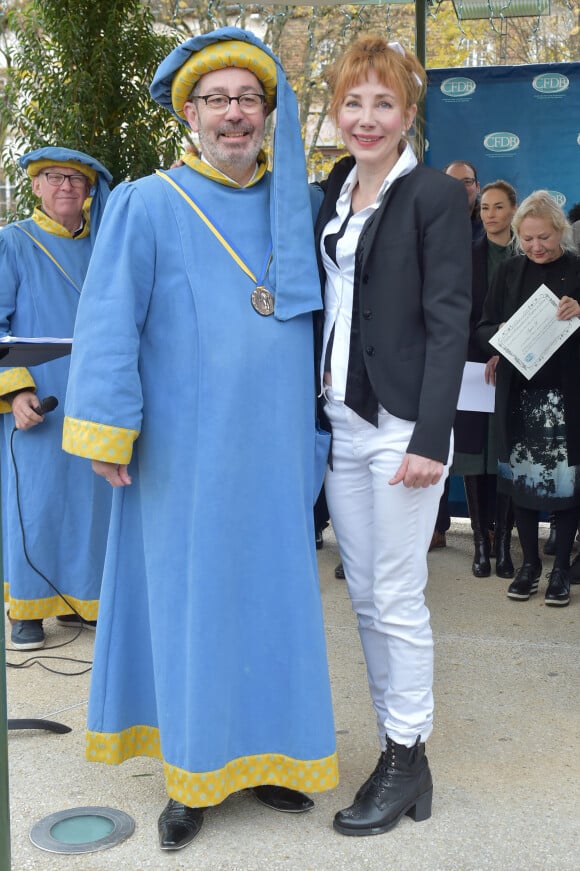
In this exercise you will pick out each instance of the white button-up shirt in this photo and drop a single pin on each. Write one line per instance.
(340, 275)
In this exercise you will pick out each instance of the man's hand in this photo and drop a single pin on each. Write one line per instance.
(417, 471)
(23, 406)
(115, 473)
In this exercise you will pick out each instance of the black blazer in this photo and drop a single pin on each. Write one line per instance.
(413, 279)
(502, 301)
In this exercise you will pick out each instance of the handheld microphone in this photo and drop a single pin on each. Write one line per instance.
(49, 403)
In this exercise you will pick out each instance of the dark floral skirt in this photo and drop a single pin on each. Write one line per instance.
(537, 475)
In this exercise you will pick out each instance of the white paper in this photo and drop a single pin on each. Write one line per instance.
(533, 333)
(35, 340)
(475, 394)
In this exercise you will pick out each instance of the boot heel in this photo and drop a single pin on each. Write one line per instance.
(421, 810)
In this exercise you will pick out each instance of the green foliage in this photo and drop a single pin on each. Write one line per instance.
(79, 78)
(307, 38)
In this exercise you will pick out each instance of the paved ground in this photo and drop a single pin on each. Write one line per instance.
(504, 753)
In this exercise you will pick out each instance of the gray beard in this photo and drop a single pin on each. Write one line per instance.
(228, 162)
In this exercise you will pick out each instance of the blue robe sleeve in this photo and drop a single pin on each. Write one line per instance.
(13, 378)
(103, 408)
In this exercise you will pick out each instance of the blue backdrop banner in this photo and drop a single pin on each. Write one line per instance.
(519, 123)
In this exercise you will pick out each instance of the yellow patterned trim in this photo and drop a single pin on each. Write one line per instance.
(205, 168)
(212, 787)
(55, 229)
(219, 55)
(114, 748)
(53, 606)
(17, 378)
(98, 441)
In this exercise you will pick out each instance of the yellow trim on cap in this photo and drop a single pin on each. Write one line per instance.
(36, 166)
(232, 53)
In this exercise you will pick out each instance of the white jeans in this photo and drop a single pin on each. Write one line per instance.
(383, 532)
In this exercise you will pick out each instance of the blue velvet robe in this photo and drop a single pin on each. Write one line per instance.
(65, 509)
(210, 652)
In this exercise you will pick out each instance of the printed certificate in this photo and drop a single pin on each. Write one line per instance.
(533, 333)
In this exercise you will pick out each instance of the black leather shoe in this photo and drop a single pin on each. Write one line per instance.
(525, 583)
(178, 825)
(339, 572)
(558, 592)
(280, 798)
(319, 540)
(400, 784)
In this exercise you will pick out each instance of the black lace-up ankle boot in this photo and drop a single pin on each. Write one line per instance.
(400, 784)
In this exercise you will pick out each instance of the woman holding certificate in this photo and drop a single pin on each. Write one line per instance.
(538, 420)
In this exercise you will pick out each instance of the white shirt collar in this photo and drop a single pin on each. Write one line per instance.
(406, 162)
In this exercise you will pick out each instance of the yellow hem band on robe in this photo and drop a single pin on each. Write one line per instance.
(98, 441)
(52, 606)
(17, 378)
(212, 787)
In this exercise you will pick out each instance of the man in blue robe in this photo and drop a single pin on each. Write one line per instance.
(55, 513)
(191, 390)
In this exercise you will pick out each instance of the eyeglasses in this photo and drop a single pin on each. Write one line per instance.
(248, 103)
(468, 182)
(56, 179)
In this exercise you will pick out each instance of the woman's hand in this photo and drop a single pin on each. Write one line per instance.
(23, 405)
(416, 471)
(490, 368)
(115, 473)
(567, 308)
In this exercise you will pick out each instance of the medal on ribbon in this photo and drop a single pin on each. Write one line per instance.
(262, 301)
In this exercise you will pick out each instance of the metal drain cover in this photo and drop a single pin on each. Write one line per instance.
(82, 830)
